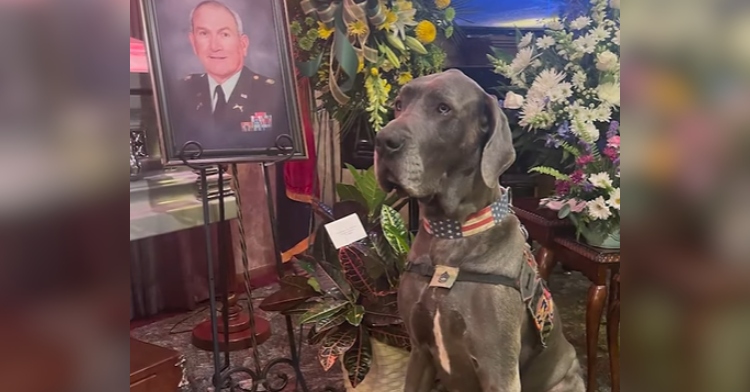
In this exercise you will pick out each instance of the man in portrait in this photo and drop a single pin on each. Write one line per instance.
(228, 98)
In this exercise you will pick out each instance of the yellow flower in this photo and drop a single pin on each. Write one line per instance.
(374, 71)
(324, 31)
(442, 4)
(390, 18)
(404, 77)
(357, 28)
(361, 65)
(404, 5)
(425, 31)
(387, 89)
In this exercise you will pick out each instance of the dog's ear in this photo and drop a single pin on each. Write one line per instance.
(498, 153)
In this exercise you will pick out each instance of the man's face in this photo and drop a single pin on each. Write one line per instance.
(217, 42)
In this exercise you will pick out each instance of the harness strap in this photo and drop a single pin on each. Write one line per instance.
(428, 270)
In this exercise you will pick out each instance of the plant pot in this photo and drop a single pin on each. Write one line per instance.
(602, 239)
(388, 370)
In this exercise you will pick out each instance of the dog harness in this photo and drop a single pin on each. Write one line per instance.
(534, 292)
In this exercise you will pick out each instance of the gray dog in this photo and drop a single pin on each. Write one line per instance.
(479, 317)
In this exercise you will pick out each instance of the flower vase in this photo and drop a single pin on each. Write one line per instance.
(602, 239)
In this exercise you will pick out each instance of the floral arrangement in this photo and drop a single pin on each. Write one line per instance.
(359, 52)
(566, 86)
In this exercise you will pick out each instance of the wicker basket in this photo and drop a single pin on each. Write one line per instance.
(387, 373)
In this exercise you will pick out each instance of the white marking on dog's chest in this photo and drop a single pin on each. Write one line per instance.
(442, 352)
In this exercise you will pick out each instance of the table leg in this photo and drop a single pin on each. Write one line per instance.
(546, 261)
(594, 308)
(613, 331)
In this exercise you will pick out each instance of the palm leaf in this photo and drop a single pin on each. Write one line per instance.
(358, 359)
(335, 344)
(350, 192)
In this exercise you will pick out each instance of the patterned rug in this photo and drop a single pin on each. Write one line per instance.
(569, 291)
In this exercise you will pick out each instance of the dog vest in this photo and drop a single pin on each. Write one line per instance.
(534, 292)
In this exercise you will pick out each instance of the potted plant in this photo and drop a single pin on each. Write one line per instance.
(359, 53)
(566, 88)
(347, 297)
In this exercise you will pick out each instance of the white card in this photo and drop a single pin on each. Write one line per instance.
(346, 230)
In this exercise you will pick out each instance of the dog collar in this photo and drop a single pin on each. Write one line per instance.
(476, 223)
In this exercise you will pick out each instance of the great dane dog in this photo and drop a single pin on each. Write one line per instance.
(469, 327)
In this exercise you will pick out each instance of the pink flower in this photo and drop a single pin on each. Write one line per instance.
(562, 187)
(611, 153)
(584, 160)
(577, 177)
(614, 141)
(576, 205)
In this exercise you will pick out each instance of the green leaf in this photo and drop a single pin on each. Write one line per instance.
(393, 335)
(322, 310)
(367, 184)
(550, 172)
(314, 284)
(450, 14)
(394, 230)
(350, 192)
(331, 322)
(306, 265)
(358, 359)
(355, 314)
(345, 208)
(335, 345)
(564, 211)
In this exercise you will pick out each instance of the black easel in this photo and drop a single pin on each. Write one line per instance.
(223, 373)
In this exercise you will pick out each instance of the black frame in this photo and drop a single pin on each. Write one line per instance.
(173, 154)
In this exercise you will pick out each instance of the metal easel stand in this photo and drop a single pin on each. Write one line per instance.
(227, 377)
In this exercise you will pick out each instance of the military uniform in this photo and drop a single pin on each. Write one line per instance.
(256, 105)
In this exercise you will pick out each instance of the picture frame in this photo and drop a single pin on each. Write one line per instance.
(223, 76)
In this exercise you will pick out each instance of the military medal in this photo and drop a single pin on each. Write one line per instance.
(444, 276)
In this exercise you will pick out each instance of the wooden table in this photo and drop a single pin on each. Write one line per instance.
(597, 265)
(154, 368)
(543, 226)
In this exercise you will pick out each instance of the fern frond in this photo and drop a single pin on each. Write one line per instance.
(550, 172)
(570, 149)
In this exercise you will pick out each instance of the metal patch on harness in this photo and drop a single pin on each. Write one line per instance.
(444, 276)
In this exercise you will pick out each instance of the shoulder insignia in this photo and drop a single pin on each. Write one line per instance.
(270, 81)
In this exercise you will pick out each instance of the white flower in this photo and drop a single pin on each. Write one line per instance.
(536, 63)
(547, 80)
(560, 93)
(579, 79)
(513, 100)
(607, 61)
(600, 33)
(585, 44)
(545, 42)
(616, 40)
(580, 22)
(597, 209)
(602, 114)
(601, 180)
(586, 130)
(614, 4)
(614, 199)
(526, 40)
(555, 25)
(521, 61)
(609, 93)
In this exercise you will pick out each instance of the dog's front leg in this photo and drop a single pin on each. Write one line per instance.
(420, 373)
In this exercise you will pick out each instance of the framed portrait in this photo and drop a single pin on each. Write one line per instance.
(222, 75)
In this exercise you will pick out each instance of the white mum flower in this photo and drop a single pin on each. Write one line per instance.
(531, 109)
(579, 79)
(526, 40)
(580, 22)
(521, 61)
(609, 93)
(607, 61)
(603, 113)
(585, 44)
(545, 42)
(555, 25)
(597, 209)
(600, 33)
(601, 180)
(560, 93)
(614, 199)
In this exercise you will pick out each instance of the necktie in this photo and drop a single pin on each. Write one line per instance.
(221, 103)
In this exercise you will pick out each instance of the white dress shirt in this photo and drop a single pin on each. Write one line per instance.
(228, 86)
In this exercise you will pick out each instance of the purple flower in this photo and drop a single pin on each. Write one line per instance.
(586, 146)
(562, 187)
(587, 186)
(564, 130)
(577, 177)
(611, 153)
(584, 160)
(551, 141)
(614, 127)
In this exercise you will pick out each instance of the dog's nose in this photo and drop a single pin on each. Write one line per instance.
(389, 142)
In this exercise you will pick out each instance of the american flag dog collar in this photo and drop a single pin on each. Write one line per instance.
(476, 223)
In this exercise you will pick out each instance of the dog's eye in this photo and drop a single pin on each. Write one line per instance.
(397, 106)
(443, 108)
